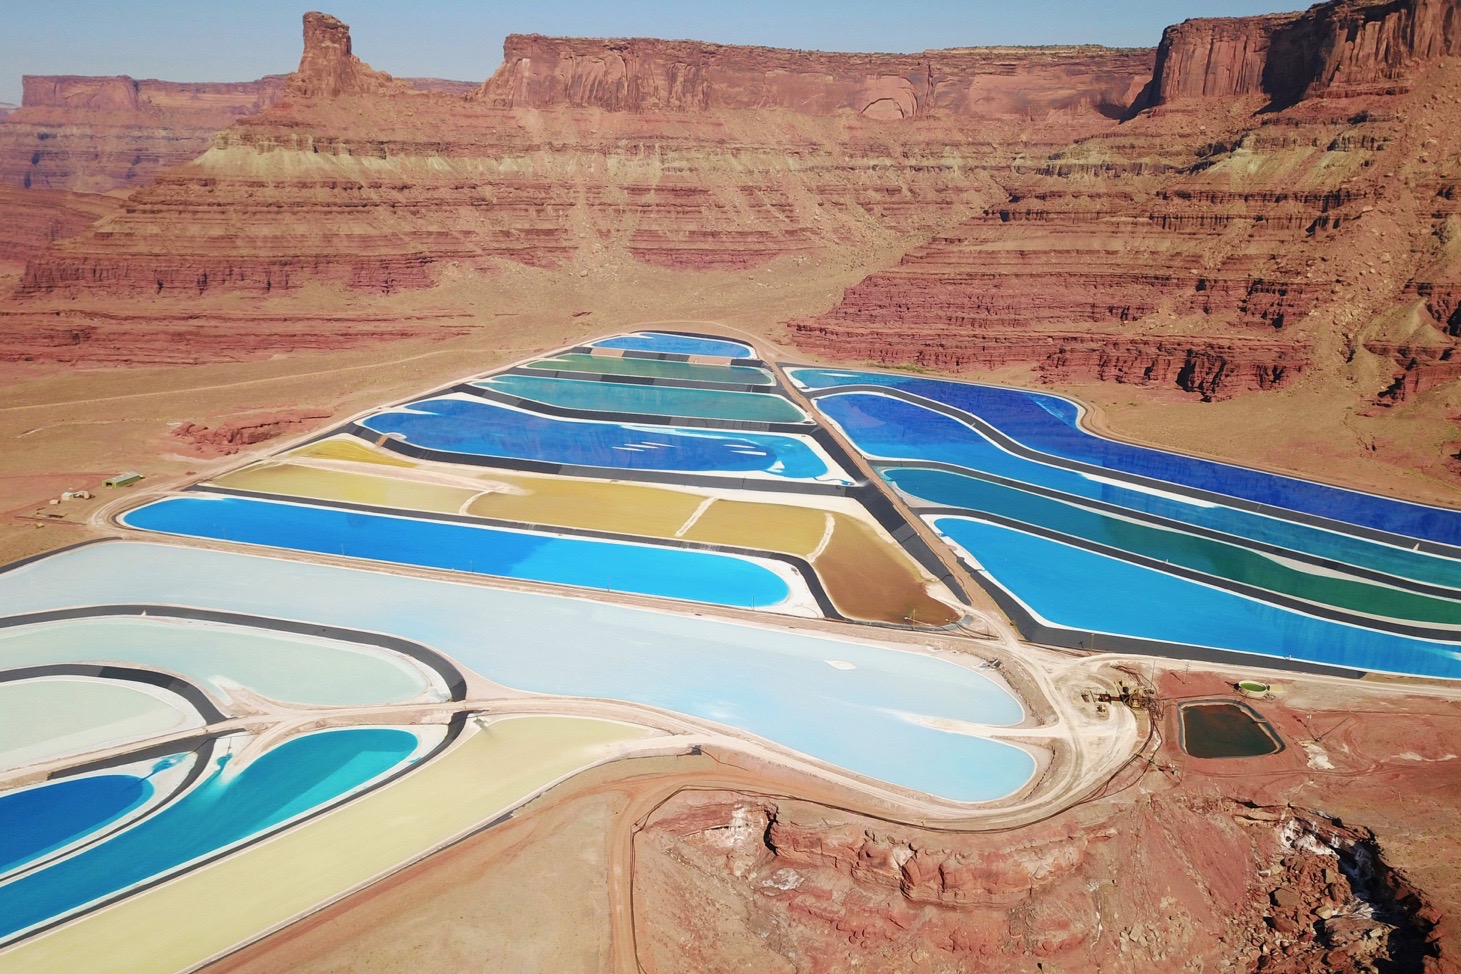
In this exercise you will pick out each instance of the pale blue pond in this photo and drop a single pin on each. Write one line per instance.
(861, 706)
(480, 428)
(224, 808)
(1050, 424)
(218, 658)
(1088, 592)
(665, 342)
(890, 429)
(643, 569)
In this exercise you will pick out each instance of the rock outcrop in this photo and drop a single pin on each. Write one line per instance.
(245, 431)
(96, 134)
(328, 68)
(647, 75)
(1213, 244)
(1342, 48)
(1221, 885)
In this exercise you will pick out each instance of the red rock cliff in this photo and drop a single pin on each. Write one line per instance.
(221, 101)
(94, 134)
(645, 75)
(1339, 48)
(328, 69)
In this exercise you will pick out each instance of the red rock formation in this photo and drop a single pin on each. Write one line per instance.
(328, 69)
(98, 134)
(1207, 249)
(29, 220)
(646, 75)
(230, 437)
(97, 340)
(387, 191)
(725, 883)
(1341, 48)
(95, 134)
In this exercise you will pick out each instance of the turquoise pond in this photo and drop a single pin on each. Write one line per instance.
(1108, 595)
(874, 710)
(475, 427)
(655, 369)
(643, 569)
(224, 807)
(676, 344)
(1089, 592)
(668, 401)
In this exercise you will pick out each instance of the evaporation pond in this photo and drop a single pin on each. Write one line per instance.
(669, 343)
(1225, 730)
(622, 397)
(653, 368)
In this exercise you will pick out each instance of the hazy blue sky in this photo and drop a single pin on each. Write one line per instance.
(226, 40)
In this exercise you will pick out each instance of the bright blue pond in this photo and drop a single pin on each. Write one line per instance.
(40, 820)
(297, 776)
(658, 341)
(1085, 591)
(677, 573)
(890, 428)
(1049, 424)
(489, 429)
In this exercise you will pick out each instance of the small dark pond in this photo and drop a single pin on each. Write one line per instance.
(1226, 730)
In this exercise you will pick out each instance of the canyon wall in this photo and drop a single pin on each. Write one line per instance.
(646, 75)
(1213, 244)
(684, 156)
(96, 134)
(1342, 48)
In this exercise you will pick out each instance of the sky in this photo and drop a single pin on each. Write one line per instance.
(229, 40)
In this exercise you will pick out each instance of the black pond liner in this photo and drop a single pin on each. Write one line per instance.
(1226, 729)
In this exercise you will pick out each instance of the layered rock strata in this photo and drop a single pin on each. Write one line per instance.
(96, 134)
(91, 134)
(386, 186)
(32, 219)
(1337, 49)
(1211, 244)
(646, 75)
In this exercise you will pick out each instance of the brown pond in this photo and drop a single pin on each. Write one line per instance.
(1216, 729)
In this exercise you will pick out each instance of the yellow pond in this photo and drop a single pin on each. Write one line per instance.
(866, 575)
